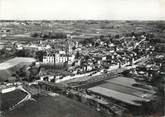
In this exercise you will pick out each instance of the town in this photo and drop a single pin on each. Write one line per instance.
(95, 64)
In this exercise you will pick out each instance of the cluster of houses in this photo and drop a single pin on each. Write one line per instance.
(92, 54)
(149, 71)
(94, 57)
(101, 54)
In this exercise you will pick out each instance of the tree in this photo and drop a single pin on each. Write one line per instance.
(86, 57)
(40, 54)
(35, 35)
(77, 55)
(20, 53)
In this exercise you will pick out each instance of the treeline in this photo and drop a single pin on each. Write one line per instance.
(113, 38)
(30, 53)
(160, 47)
(50, 35)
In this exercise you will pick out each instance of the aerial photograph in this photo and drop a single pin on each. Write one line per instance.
(82, 58)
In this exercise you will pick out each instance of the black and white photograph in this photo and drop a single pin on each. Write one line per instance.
(82, 58)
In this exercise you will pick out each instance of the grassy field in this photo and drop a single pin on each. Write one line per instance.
(46, 106)
(11, 98)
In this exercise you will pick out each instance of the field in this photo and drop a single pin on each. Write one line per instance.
(11, 98)
(46, 106)
(85, 27)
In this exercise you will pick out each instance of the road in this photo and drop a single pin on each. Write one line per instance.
(26, 98)
(112, 69)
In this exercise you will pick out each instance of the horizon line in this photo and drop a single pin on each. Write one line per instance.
(82, 19)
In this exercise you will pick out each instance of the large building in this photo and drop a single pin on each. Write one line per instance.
(58, 58)
(8, 68)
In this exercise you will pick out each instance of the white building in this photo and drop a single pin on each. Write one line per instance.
(48, 59)
(2, 45)
(58, 59)
(37, 47)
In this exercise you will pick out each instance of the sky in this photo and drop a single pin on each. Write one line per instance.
(82, 9)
